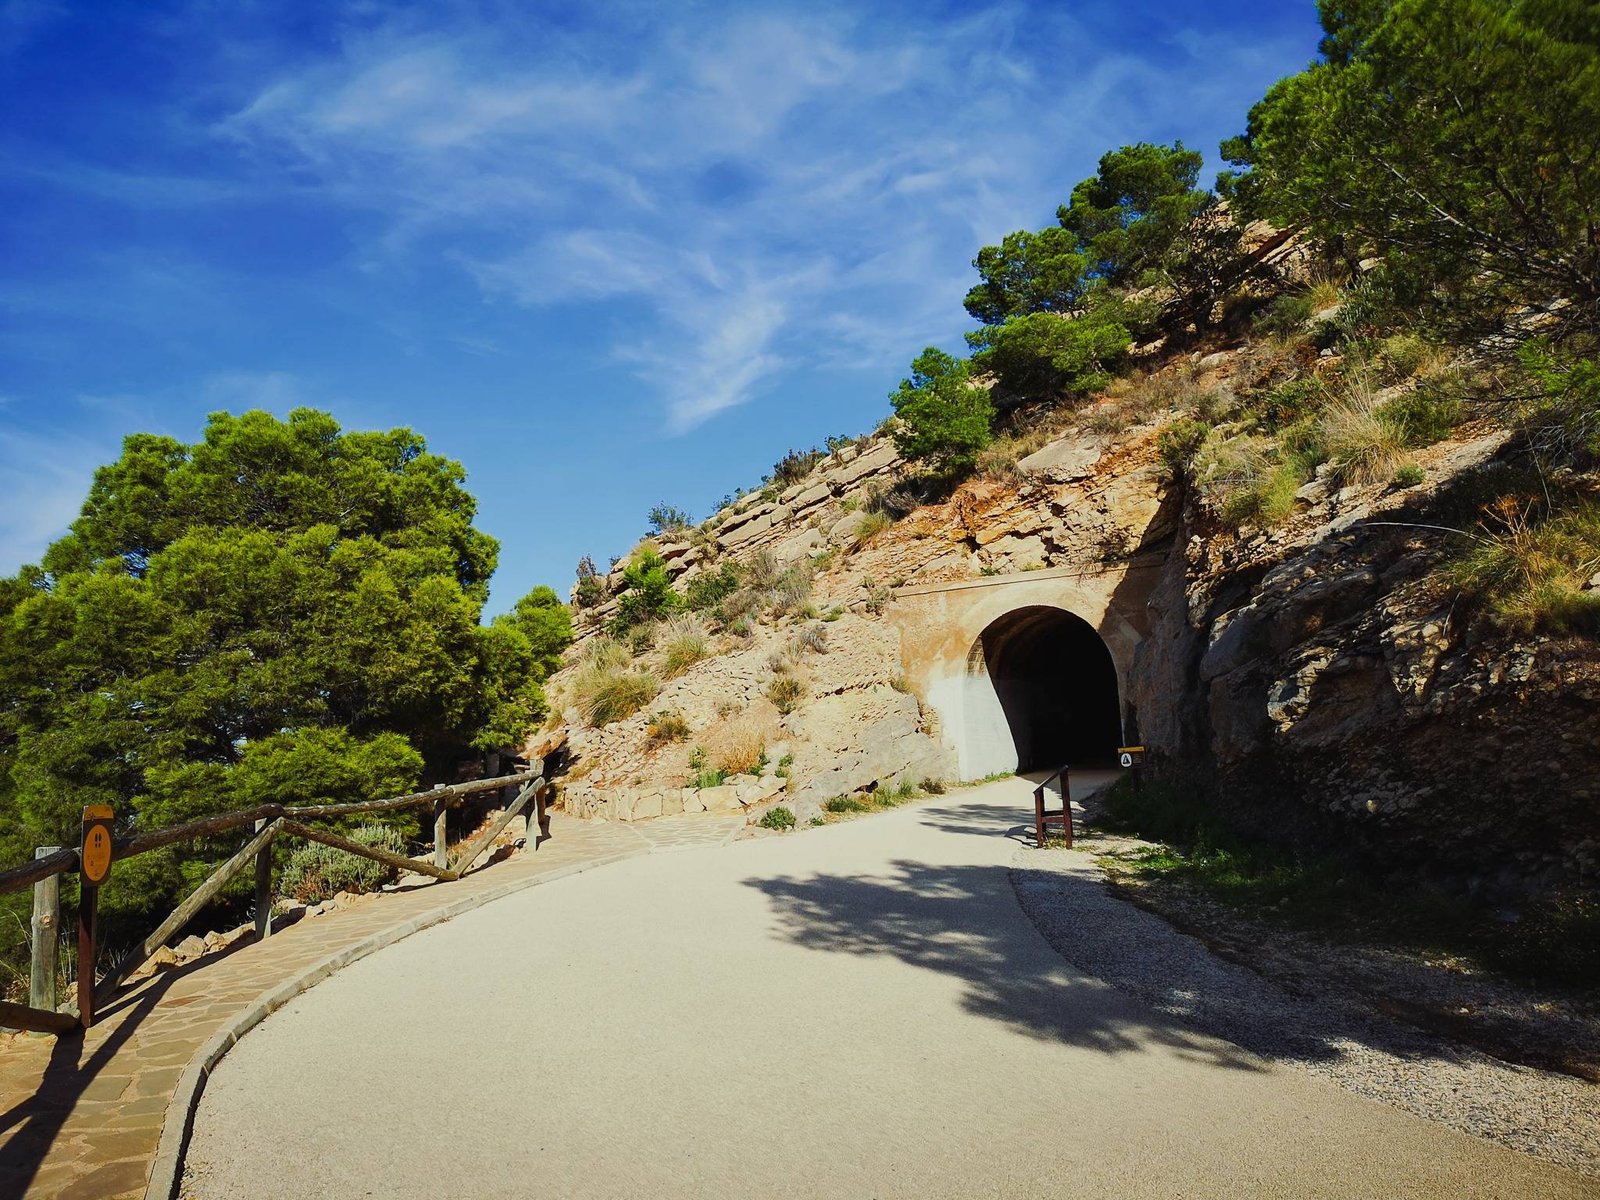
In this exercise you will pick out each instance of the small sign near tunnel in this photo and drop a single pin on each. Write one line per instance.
(1130, 756)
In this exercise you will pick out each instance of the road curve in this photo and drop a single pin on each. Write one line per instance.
(856, 1011)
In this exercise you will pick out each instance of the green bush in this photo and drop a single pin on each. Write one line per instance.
(786, 692)
(711, 588)
(777, 818)
(1409, 475)
(943, 418)
(701, 773)
(1558, 938)
(1530, 571)
(646, 592)
(683, 643)
(605, 693)
(1285, 315)
(1178, 444)
(845, 804)
(1427, 414)
(315, 872)
(667, 726)
(795, 466)
(664, 518)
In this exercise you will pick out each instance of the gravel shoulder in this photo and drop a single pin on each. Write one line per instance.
(1317, 1026)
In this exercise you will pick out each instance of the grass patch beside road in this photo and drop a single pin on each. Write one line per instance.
(1555, 939)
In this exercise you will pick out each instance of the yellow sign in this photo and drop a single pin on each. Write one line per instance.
(94, 855)
(1130, 756)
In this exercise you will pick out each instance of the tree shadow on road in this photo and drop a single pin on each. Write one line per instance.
(963, 921)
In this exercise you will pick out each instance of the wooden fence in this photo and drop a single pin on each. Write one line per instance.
(268, 823)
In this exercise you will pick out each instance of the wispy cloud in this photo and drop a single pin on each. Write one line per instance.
(54, 473)
(762, 191)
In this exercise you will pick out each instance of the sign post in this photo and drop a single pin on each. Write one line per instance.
(1130, 758)
(94, 868)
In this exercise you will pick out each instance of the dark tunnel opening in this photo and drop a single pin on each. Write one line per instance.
(1057, 685)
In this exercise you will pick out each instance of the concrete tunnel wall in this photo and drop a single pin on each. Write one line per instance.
(942, 628)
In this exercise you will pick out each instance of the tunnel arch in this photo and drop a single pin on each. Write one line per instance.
(1042, 690)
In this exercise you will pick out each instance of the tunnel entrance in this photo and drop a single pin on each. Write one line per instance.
(1056, 687)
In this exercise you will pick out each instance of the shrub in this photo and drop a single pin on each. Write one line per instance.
(647, 593)
(1557, 938)
(779, 818)
(667, 726)
(1285, 315)
(845, 804)
(791, 591)
(708, 589)
(605, 693)
(701, 773)
(942, 416)
(872, 524)
(737, 747)
(1365, 447)
(591, 587)
(683, 643)
(1530, 573)
(315, 872)
(664, 518)
(934, 787)
(1426, 414)
(795, 466)
(1178, 444)
(785, 692)
(1409, 475)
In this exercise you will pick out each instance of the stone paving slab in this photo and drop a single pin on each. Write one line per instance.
(86, 1118)
(689, 832)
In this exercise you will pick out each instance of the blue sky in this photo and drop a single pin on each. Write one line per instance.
(604, 254)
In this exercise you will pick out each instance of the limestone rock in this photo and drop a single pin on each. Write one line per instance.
(721, 799)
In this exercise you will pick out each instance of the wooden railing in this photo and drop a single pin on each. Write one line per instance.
(268, 823)
(1063, 818)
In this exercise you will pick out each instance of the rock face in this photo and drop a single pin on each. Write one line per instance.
(1314, 669)
(1342, 703)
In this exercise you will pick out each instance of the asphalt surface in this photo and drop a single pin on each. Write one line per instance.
(856, 1011)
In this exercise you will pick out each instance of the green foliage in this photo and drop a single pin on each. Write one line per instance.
(779, 818)
(590, 588)
(943, 417)
(785, 692)
(1556, 938)
(1565, 411)
(1044, 355)
(667, 726)
(646, 593)
(1409, 475)
(1424, 415)
(1459, 142)
(1133, 222)
(605, 688)
(1046, 271)
(846, 804)
(701, 773)
(871, 525)
(1178, 444)
(709, 588)
(665, 518)
(314, 872)
(683, 644)
(546, 623)
(796, 465)
(284, 610)
(1529, 571)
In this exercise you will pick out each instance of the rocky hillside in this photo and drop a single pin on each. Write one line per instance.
(1308, 647)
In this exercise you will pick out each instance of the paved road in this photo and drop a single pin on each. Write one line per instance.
(857, 1011)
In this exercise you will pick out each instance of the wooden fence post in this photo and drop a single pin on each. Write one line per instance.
(441, 849)
(263, 886)
(46, 930)
(88, 905)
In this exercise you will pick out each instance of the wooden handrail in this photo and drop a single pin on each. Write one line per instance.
(1041, 818)
(271, 822)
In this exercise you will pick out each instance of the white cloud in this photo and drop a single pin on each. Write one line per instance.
(766, 191)
(53, 473)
